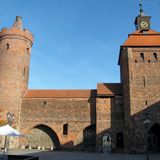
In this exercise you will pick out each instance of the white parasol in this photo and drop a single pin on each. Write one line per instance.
(7, 130)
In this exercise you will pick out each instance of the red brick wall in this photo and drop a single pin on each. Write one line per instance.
(142, 77)
(14, 57)
(109, 117)
(78, 113)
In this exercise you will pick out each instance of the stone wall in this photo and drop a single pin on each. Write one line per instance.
(76, 113)
(109, 118)
(15, 48)
(141, 76)
(124, 72)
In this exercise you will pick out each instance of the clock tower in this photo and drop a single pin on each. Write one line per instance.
(142, 22)
(139, 62)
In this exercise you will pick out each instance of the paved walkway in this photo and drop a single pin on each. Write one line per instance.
(44, 155)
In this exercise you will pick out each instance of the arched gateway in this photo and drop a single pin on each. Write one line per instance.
(154, 137)
(43, 136)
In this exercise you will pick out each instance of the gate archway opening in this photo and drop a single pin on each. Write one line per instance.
(154, 137)
(119, 141)
(86, 139)
(43, 136)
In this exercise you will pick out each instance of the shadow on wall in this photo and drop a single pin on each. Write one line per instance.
(89, 139)
(137, 138)
(138, 129)
(86, 140)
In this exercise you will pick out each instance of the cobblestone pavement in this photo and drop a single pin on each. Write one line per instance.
(44, 155)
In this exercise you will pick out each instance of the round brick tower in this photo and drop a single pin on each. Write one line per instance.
(15, 49)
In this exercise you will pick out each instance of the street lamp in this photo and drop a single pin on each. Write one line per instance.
(146, 123)
(10, 119)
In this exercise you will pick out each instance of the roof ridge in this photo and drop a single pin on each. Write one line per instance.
(150, 32)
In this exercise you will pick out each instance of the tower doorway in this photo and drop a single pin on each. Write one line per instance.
(154, 138)
(107, 143)
(119, 141)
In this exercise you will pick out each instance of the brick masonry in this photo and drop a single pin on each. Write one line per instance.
(82, 119)
(55, 113)
(15, 47)
(141, 77)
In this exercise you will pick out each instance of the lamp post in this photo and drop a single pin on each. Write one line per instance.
(146, 124)
(10, 119)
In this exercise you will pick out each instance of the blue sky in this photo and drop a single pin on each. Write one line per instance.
(76, 42)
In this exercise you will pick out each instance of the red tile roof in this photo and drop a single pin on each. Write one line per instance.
(109, 89)
(148, 38)
(60, 93)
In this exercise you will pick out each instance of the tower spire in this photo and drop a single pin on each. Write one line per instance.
(142, 21)
(18, 23)
(141, 8)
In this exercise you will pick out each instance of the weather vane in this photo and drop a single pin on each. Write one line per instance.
(141, 7)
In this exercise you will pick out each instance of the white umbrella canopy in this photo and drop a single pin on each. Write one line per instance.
(7, 130)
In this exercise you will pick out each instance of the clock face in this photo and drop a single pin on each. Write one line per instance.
(144, 24)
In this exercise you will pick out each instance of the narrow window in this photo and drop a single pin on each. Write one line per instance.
(135, 61)
(44, 102)
(123, 115)
(146, 103)
(131, 75)
(144, 81)
(149, 61)
(7, 46)
(24, 71)
(142, 56)
(65, 129)
(155, 56)
(27, 50)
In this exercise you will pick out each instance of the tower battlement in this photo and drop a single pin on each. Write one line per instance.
(16, 31)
